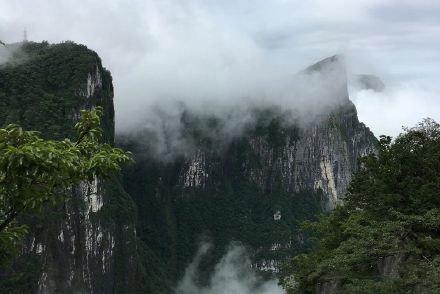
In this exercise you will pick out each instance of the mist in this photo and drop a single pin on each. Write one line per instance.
(211, 67)
(211, 53)
(399, 105)
(12, 54)
(232, 275)
(233, 100)
(5, 54)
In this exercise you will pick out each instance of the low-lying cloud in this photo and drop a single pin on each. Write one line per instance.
(226, 50)
(5, 54)
(232, 275)
(399, 105)
(301, 98)
(197, 57)
(11, 54)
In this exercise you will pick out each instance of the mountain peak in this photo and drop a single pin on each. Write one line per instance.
(327, 63)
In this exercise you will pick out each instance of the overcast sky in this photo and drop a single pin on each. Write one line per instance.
(150, 44)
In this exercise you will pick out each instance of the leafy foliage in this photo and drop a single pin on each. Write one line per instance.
(43, 87)
(386, 237)
(34, 171)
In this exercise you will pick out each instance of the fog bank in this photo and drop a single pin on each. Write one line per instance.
(232, 275)
(223, 109)
(5, 54)
(402, 104)
(155, 46)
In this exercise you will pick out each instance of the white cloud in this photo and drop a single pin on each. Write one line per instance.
(400, 105)
(220, 46)
(5, 54)
(232, 275)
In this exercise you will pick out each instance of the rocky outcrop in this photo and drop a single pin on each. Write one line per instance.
(315, 156)
(389, 266)
(87, 243)
(256, 187)
(320, 157)
(328, 287)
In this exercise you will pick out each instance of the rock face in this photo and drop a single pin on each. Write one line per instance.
(256, 188)
(86, 244)
(389, 266)
(321, 157)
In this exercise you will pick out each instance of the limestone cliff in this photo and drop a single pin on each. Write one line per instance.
(255, 188)
(86, 244)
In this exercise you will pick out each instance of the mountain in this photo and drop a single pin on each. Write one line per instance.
(88, 242)
(255, 188)
(137, 233)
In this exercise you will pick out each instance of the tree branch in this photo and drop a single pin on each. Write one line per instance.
(82, 136)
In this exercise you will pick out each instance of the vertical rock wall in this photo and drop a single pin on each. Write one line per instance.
(86, 244)
(256, 188)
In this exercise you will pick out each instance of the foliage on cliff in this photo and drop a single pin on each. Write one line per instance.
(386, 237)
(42, 87)
(34, 171)
(174, 217)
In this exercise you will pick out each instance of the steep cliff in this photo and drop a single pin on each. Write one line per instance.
(87, 243)
(255, 188)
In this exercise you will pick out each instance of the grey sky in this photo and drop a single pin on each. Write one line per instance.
(151, 45)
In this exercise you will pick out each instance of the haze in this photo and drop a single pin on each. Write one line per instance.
(220, 50)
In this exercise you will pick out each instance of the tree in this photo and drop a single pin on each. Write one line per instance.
(386, 236)
(34, 171)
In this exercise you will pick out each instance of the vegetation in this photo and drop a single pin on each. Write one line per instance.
(174, 218)
(386, 236)
(42, 87)
(34, 171)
